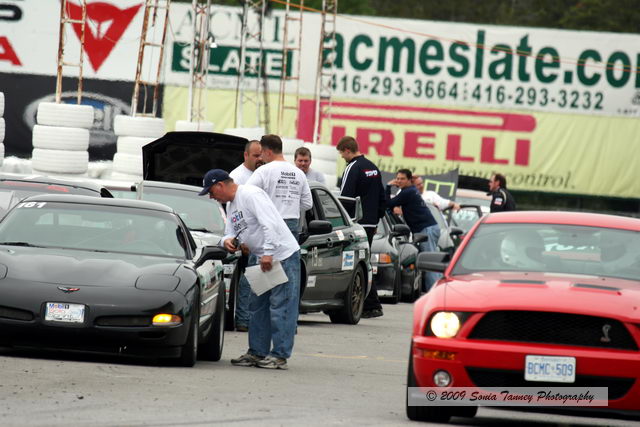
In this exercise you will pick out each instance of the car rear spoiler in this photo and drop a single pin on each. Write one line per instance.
(352, 204)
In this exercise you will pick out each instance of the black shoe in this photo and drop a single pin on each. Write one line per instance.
(242, 328)
(368, 314)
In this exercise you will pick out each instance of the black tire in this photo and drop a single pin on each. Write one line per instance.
(211, 348)
(414, 293)
(438, 414)
(189, 351)
(230, 314)
(397, 287)
(353, 301)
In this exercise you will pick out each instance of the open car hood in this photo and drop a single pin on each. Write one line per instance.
(184, 157)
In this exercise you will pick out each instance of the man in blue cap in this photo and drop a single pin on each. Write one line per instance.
(253, 220)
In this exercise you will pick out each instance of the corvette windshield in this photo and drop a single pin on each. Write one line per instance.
(94, 228)
(199, 213)
(552, 248)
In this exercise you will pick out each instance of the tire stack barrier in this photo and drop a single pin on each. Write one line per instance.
(61, 139)
(2, 127)
(185, 125)
(133, 133)
(249, 133)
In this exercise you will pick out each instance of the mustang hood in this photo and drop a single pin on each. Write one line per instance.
(184, 157)
(71, 267)
(541, 292)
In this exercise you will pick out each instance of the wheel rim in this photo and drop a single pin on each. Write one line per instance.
(356, 296)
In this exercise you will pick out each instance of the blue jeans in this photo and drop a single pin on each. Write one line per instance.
(274, 314)
(244, 296)
(431, 245)
(293, 225)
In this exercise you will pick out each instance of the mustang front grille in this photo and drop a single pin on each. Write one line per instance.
(553, 328)
(482, 377)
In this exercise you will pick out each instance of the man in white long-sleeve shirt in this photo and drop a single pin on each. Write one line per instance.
(252, 161)
(253, 220)
(285, 184)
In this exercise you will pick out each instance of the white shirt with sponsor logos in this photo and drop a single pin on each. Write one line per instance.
(241, 174)
(254, 219)
(286, 185)
(313, 175)
(435, 199)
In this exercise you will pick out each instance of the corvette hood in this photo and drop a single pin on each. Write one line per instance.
(76, 268)
(587, 295)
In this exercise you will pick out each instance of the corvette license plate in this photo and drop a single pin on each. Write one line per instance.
(64, 312)
(550, 368)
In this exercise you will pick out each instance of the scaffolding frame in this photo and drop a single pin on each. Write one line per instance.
(325, 75)
(294, 78)
(65, 20)
(200, 52)
(151, 13)
(260, 97)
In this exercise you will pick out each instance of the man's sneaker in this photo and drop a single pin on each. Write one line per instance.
(242, 328)
(247, 359)
(271, 362)
(368, 314)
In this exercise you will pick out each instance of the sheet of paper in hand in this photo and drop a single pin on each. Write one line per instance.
(261, 281)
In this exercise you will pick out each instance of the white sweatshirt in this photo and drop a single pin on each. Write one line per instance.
(241, 174)
(286, 185)
(252, 216)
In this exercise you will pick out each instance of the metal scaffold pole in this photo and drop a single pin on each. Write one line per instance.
(65, 21)
(200, 49)
(325, 76)
(290, 76)
(252, 67)
(152, 11)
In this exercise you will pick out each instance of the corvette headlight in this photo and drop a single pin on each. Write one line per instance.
(445, 324)
(165, 319)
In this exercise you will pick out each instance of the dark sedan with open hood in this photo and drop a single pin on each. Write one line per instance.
(110, 276)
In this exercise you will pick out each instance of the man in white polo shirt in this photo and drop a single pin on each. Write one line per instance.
(285, 184)
(253, 220)
(240, 175)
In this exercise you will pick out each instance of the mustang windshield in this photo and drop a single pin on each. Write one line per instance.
(94, 228)
(552, 248)
(199, 213)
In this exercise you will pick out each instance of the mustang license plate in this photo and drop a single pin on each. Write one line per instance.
(550, 368)
(64, 312)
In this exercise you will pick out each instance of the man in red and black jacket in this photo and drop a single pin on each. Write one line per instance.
(362, 178)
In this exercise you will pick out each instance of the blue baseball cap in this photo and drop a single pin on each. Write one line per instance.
(210, 178)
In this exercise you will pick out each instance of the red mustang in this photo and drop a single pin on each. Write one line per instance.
(532, 299)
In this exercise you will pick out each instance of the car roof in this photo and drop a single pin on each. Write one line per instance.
(473, 194)
(88, 200)
(46, 180)
(172, 185)
(564, 218)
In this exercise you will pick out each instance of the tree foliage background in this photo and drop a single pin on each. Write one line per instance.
(594, 15)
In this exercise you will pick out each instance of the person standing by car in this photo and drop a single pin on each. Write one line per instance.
(252, 161)
(253, 220)
(302, 159)
(361, 178)
(417, 216)
(240, 175)
(285, 184)
(501, 198)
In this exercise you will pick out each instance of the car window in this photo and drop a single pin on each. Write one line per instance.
(465, 218)
(330, 209)
(94, 228)
(552, 248)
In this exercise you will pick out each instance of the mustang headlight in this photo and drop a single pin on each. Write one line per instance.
(445, 324)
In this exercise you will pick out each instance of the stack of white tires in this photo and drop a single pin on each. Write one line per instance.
(289, 147)
(187, 126)
(133, 133)
(324, 158)
(249, 133)
(61, 139)
(2, 127)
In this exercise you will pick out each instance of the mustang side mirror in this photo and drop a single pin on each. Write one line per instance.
(318, 226)
(400, 230)
(419, 238)
(211, 252)
(433, 261)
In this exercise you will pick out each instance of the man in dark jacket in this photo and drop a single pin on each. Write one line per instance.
(417, 216)
(501, 199)
(362, 178)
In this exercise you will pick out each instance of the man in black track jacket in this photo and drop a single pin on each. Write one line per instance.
(362, 178)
